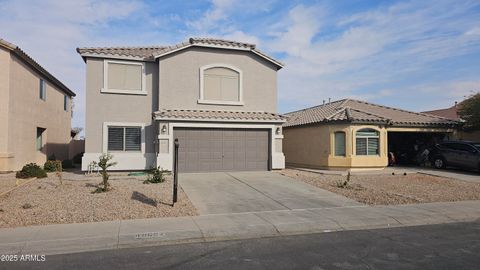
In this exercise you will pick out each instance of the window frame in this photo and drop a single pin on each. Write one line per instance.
(106, 125)
(105, 88)
(42, 89)
(202, 99)
(38, 139)
(335, 143)
(367, 139)
(65, 103)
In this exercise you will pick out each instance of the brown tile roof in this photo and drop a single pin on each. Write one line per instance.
(451, 112)
(32, 63)
(355, 111)
(150, 53)
(205, 115)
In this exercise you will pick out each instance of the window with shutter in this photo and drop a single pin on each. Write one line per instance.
(124, 139)
(124, 77)
(367, 142)
(220, 84)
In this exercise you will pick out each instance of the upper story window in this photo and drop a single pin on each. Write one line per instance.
(42, 90)
(65, 103)
(221, 84)
(124, 77)
(367, 141)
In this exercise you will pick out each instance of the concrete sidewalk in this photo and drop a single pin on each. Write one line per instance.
(71, 238)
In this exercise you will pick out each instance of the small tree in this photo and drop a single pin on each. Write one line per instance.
(469, 110)
(104, 163)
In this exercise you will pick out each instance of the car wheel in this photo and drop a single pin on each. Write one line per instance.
(439, 163)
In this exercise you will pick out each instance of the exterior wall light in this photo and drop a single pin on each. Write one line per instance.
(278, 131)
(164, 129)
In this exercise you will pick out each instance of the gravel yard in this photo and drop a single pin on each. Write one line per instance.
(45, 201)
(392, 189)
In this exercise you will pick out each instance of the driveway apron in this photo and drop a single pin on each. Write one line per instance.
(237, 192)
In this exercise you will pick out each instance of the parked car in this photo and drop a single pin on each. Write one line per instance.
(460, 154)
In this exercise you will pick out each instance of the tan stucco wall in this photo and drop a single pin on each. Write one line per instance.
(307, 146)
(4, 107)
(110, 107)
(180, 79)
(26, 112)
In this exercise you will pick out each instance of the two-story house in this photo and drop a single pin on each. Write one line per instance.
(35, 111)
(217, 97)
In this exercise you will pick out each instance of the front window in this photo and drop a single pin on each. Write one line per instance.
(339, 143)
(367, 141)
(124, 139)
(124, 77)
(221, 85)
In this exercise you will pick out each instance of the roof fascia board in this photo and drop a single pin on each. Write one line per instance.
(216, 120)
(105, 56)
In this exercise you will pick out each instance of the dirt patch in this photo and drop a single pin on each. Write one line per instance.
(44, 201)
(392, 189)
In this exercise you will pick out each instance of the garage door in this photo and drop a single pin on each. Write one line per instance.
(209, 150)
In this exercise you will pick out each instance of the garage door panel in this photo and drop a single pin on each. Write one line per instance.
(222, 149)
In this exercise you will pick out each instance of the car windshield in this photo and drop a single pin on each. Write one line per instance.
(477, 145)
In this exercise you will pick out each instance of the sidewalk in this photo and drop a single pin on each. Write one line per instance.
(71, 238)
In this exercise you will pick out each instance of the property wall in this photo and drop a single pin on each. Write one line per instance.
(469, 136)
(26, 112)
(180, 79)
(122, 108)
(5, 154)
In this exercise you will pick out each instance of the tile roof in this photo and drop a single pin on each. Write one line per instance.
(451, 112)
(208, 115)
(150, 53)
(29, 60)
(355, 111)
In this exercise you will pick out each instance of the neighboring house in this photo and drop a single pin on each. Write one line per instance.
(217, 97)
(35, 111)
(452, 112)
(352, 134)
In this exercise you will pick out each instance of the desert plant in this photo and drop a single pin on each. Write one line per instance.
(52, 165)
(344, 184)
(104, 163)
(67, 164)
(155, 175)
(31, 170)
(27, 206)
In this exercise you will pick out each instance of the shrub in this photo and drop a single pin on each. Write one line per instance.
(52, 165)
(27, 206)
(31, 170)
(156, 175)
(104, 163)
(344, 184)
(67, 164)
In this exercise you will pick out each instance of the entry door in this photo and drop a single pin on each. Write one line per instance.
(208, 150)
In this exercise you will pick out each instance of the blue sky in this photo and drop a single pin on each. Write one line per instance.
(416, 55)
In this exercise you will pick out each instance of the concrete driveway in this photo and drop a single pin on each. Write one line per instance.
(236, 192)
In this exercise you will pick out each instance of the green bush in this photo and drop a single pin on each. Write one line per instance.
(52, 166)
(156, 175)
(67, 164)
(31, 170)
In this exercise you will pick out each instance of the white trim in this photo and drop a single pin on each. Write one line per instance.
(123, 124)
(105, 88)
(219, 120)
(202, 100)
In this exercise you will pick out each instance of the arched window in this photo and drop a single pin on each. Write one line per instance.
(367, 141)
(339, 140)
(220, 84)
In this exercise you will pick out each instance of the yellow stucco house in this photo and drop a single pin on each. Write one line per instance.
(356, 135)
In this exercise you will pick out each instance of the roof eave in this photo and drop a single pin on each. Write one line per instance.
(177, 119)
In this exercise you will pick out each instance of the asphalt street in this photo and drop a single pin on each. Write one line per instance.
(446, 246)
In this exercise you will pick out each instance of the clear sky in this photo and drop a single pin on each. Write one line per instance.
(417, 55)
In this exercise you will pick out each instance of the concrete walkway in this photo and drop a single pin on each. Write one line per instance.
(70, 238)
(238, 192)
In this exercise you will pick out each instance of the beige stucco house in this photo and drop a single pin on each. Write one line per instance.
(355, 135)
(35, 111)
(217, 97)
